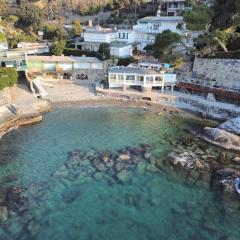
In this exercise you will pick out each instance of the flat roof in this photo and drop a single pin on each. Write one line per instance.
(161, 19)
(99, 30)
(133, 70)
(64, 59)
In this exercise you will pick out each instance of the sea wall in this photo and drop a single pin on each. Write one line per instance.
(205, 109)
(225, 72)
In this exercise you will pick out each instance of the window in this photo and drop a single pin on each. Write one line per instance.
(158, 80)
(120, 78)
(130, 78)
(113, 77)
(140, 78)
(149, 80)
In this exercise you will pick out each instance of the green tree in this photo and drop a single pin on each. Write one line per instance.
(163, 42)
(58, 48)
(54, 32)
(4, 9)
(104, 49)
(226, 13)
(30, 16)
(198, 18)
(2, 37)
(8, 77)
(77, 27)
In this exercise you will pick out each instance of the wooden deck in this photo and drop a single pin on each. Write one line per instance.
(225, 93)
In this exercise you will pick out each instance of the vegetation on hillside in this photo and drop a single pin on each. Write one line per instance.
(223, 32)
(8, 77)
(58, 48)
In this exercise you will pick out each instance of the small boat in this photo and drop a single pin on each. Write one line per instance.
(237, 184)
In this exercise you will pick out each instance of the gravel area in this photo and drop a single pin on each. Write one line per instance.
(69, 92)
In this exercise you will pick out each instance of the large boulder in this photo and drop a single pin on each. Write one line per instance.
(221, 138)
(232, 126)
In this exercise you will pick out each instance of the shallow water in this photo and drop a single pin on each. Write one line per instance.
(150, 204)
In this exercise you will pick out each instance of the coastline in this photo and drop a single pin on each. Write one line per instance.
(36, 116)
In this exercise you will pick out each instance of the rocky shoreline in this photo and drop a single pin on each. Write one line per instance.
(23, 118)
(226, 135)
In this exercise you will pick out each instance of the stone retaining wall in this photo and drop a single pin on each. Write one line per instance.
(5, 97)
(226, 72)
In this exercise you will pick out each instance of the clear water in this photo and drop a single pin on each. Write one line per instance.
(151, 204)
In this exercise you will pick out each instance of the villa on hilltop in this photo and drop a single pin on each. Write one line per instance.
(123, 41)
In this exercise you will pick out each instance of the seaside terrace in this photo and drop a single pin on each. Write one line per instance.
(14, 59)
(146, 79)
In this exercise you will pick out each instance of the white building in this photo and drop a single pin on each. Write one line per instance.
(3, 43)
(147, 28)
(174, 7)
(122, 41)
(123, 77)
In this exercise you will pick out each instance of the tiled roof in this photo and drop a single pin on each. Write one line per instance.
(64, 59)
(133, 70)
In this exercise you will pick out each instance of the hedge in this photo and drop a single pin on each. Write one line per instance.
(8, 77)
(79, 53)
(126, 61)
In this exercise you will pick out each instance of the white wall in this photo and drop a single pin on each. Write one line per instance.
(122, 52)
(99, 37)
(3, 46)
(157, 28)
(126, 35)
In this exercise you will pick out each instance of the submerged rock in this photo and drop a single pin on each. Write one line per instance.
(124, 157)
(3, 214)
(124, 176)
(71, 194)
(100, 166)
(227, 179)
(187, 160)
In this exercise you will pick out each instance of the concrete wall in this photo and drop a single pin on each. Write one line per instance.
(226, 72)
(5, 97)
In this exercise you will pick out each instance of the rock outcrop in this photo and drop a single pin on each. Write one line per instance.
(232, 126)
(222, 138)
(187, 160)
(227, 135)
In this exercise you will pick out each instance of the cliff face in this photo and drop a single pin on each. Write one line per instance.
(224, 72)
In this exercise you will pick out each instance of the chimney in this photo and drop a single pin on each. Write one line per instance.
(90, 23)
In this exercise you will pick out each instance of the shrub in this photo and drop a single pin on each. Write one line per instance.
(58, 48)
(126, 61)
(79, 53)
(8, 77)
(104, 49)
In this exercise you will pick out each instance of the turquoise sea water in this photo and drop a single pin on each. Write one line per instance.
(66, 197)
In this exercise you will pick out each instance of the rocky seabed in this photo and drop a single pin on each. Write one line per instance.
(22, 208)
